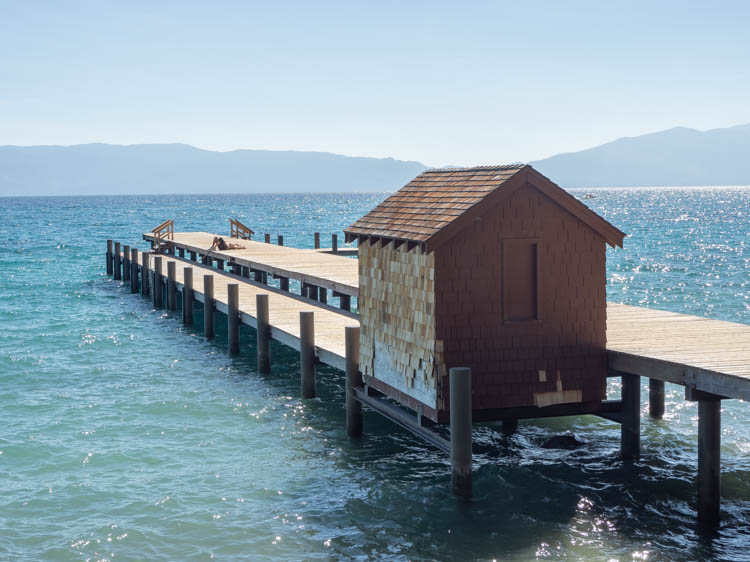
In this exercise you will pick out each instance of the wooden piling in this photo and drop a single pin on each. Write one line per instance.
(335, 243)
(187, 295)
(655, 398)
(134, 270)
(345, 302)
(284, 283)
(233, 317)
(157, 290)
(109, 257)
(510, 426)
(117, 262)
(264, 334)
(209, 306)
(630, 429)
(280, 240)
(310, 291)
(353, 380)
(317, 240)
(193, 256)
(709, 461)
(181, 252)
(323, 295)
(145, 275)
(219, 264)
(126, 263)
(307, 352)
(460, 421)
(267, 238)
(171, 286)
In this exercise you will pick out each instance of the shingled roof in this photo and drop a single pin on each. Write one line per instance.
(438, 201)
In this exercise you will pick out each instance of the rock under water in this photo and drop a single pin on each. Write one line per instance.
(562, 442)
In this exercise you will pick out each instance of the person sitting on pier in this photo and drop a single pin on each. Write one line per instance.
(221, 245)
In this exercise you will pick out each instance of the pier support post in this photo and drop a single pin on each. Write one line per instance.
(630, 429)
(126, 263)
(284, 284)
(267, 238)
(117, 262)
(157, 290)
(280, 240)
(145, 275)
(307, 352)
(709, 461)
(204, 260)
(171, 286)
(233, 317)
(510, 427)
(709, 457)
(317, 240)
(323, 295)
(460, 420)
(335, 243)
(187, 295)
(134, 270)
(264, 334)
(181, 252)
(219, 264)
(345, 302)
(310, 291)
(655, 398)
(109, 257)
(193, 256)
(209, 306)
(353, 379)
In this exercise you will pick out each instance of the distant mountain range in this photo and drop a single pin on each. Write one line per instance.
(101, 169)
(676, 157)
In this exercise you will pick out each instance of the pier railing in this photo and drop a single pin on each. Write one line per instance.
(163, 234)
(239, 230)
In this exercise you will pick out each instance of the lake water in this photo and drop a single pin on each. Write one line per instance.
(124, 435)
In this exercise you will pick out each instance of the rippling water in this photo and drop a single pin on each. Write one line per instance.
(125, 436)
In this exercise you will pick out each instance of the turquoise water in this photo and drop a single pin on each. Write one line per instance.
(124, 435)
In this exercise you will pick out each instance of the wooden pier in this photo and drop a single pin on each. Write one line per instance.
(710, 358)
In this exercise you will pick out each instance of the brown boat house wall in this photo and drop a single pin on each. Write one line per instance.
(501, 271)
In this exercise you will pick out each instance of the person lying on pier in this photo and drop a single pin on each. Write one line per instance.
(221, 245)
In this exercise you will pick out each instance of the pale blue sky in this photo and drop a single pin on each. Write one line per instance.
(443, 83)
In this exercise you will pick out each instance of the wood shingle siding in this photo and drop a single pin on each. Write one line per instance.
(397, 319)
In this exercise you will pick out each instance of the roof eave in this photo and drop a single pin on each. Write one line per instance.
(611, 234)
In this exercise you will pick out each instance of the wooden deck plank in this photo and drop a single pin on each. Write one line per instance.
(283, 309)
(335, 272)
(709, 355)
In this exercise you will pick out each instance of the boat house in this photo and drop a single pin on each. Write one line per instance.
(495, 268)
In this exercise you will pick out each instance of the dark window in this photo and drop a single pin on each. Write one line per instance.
(520, 280)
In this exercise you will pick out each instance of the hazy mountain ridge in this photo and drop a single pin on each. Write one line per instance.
(100, 169)
(675, 157)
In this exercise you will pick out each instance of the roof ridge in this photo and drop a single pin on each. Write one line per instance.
(496, 167)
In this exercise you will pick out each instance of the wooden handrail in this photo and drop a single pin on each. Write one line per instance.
(163, 234)
(239, 230)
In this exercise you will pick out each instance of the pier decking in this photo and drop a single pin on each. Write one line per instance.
(707, 355)
(315, 267)
(284, 309)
